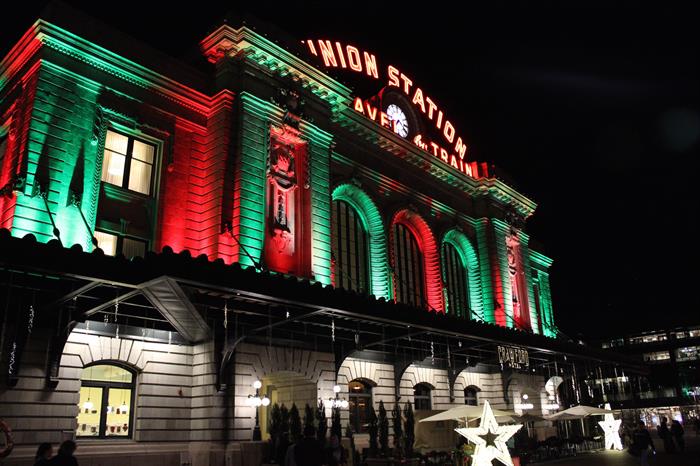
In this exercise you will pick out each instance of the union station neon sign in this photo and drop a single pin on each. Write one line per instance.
(337, 55)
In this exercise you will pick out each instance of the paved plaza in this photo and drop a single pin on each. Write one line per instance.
(691, 457)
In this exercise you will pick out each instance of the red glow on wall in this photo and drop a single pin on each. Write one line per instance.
(288, 205)
(431, 257)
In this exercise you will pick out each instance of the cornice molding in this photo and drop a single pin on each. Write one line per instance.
(45, 34)
(244, 42)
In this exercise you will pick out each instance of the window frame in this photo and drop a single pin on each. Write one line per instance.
(105, 387)
(456, 280)
(361, 251)
(369, 398)
(407, 252)
(472, 390)
(423, 398)
(120, 241)
(131, 137)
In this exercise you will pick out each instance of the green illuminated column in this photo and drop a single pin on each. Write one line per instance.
(319, 168)
(487, 291)
(527, 271)
(249, 182)
(60, 131)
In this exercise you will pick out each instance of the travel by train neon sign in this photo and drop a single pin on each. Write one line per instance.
(337, 55)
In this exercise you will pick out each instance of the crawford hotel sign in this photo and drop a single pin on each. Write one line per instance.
(398, 104)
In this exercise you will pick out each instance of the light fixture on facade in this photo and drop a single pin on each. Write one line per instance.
(337, 402)
(256, 401)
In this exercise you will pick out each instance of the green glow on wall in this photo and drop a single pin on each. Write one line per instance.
(319, 183)
(249, 185)
(541, 263)
(59, 130)
(485, 272)
(373, 224)
(469, 257)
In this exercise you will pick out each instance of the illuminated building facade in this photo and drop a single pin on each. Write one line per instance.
(255, 221)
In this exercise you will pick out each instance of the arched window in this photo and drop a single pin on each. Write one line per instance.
(456, 281)
(350, 248)
(408, 267)
(106, 403)
(421, 396)
(470, 396)
(360, 404)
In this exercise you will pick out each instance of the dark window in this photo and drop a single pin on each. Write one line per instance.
(360, 404)
(105, 409)
(470, 397)
(456, 281)
(408, 267)
(421, 395)
(128, 163)
(349, 248)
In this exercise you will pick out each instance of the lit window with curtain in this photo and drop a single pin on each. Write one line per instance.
(408, 267)
(456, 281)
(128, 163)
(350, 248)
(113, 244)
(105, 406)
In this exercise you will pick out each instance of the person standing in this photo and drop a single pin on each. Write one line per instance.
(43, 454)
(642, 443)
(65, 455)
(677, 432)
(665, 435)
(308, 451)
(335, 453)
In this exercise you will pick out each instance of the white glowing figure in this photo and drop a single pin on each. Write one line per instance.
(490, 439)
(397, 115)
(611, 427)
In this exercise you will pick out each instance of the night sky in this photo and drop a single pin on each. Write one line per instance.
(594, 112)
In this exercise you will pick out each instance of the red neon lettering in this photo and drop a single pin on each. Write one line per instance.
(439, 119)
(468, 170)
(354, 58)
(393, 76)
(460, 148)
(453, 162)
(431, 107)
(371, 65)
(444, 155)
(449, 131)
(358, 105)
(418, 99)
(371, 112)
(384, 120)
(312, 49)
(435, 148)
(327, 53)
(340, 54)
(407, 83)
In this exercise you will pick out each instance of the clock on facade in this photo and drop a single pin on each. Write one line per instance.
(398, 117)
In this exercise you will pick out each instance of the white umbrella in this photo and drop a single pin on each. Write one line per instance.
(578, 412)
(459, 413)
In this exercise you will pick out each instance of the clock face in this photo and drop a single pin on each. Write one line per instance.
(397, 116)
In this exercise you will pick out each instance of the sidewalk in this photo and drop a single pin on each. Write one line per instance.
(691, 457)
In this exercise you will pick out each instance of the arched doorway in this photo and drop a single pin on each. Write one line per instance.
(105, 407)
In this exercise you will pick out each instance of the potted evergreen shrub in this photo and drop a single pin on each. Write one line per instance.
(322, 426)
(409, 429)
(294, 424)
(398, 431)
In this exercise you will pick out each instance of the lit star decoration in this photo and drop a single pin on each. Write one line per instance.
(611, 427)
(490, 439)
